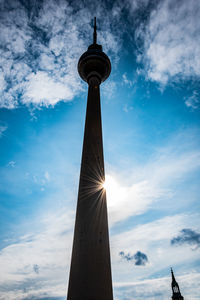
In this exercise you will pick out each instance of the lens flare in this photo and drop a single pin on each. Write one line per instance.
(105, 185)
(110, 185)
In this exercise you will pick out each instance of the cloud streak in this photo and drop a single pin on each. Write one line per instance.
(3, 128)
(36, 265)
(158, 288)
(153, 182)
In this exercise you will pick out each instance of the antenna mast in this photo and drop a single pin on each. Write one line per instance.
(95, 32)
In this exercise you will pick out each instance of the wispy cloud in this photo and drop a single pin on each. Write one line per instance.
(108, 89)
(172, 41)
(153, 238)
(127, 108)
(36, 265)
(11, 164)
(158, 288)
(151, 183)
(193, 101)
(40, 259)
(187, 236)
(3, 128)
(127, 81)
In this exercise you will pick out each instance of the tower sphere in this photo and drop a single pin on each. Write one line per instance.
(94, 63)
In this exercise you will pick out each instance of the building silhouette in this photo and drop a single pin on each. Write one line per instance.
(90, 272)
(176, 294)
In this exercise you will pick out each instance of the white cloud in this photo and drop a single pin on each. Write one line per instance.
(154, 232)
(49, 250)
(125, 201)
(126, 80)
(11, 164)
(3, 128)
(41, 89)
(138, 4)
(40, 50)
(2, 82)
(47, 176)
(155, 183)
(159, 288)
(153, 239)
(50, 246)
(108, 89)
(172, 41)
(193, 101)
(127, 108)
(109, 42)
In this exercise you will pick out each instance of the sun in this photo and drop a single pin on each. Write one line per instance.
(116, 193)
(105, 185)
(109, 183)
(112, 188)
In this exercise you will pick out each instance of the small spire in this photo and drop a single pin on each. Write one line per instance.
(175, 288)
(173, 277)
(95, 32)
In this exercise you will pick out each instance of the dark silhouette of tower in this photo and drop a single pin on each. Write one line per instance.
(176, 294)
(90, 273)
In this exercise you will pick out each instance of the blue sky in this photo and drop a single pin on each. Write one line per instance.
(151, 119)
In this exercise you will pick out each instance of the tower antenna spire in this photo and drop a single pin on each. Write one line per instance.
(95, 32)
(173, 278)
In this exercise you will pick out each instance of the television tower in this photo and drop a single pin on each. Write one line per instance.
(90, 272)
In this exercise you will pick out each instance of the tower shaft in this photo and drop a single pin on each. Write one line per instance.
(90, 273)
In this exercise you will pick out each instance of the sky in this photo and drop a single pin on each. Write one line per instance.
(151, 132)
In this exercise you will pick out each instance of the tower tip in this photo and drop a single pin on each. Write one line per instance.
(95, 32)
(172, 273)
